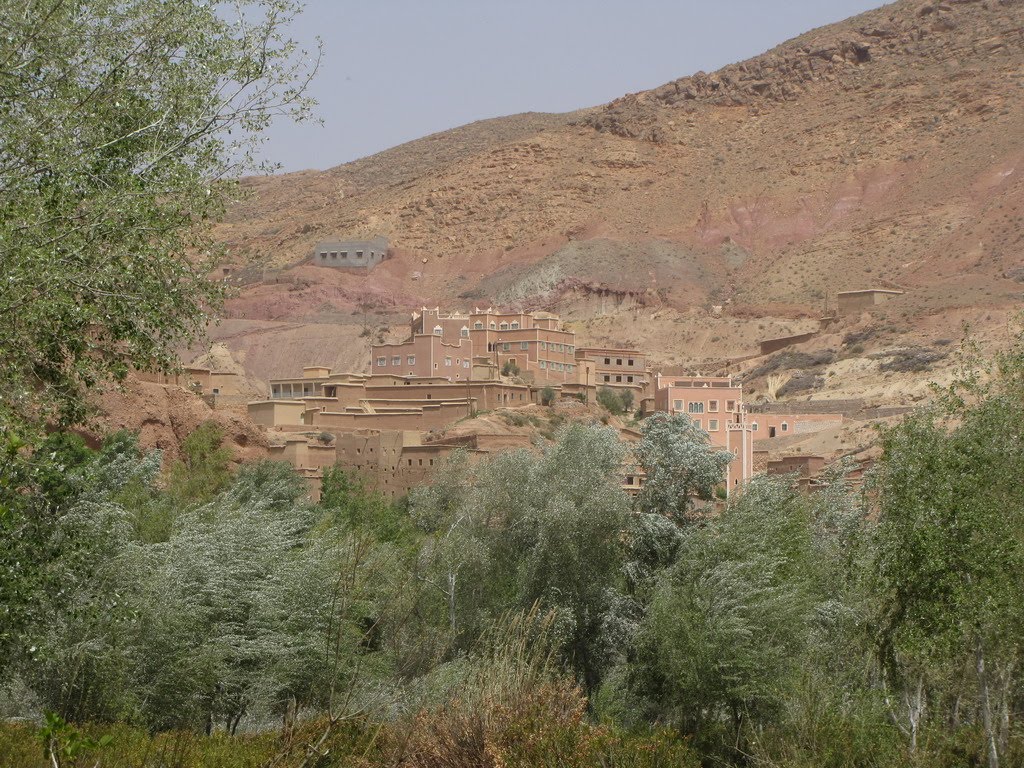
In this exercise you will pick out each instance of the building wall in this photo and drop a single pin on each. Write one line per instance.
(774, 345)
(767, 426)
(272, 413)
(849, 302)
(421, 418)
(804, 466)
(616, 366)
(359, 254)
(424, 355)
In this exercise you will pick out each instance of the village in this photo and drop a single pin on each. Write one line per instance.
(431, 394)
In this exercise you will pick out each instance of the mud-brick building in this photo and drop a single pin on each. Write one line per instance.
(454, 345)
(352, 254)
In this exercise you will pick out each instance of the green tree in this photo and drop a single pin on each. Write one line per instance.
(547, 396)
(950, 560)
(724, 632)
(609, 399)
(122, 123)
(680, 464)
(204, 467)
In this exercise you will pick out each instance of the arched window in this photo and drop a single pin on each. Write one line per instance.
(503, 327)
(493, 326)
(438, 330)
(785, 427)
(478, 326)
(464, 332)
(515, 326)
(695, 407)
(754, 426)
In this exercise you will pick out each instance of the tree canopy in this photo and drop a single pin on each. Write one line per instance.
(122, 126)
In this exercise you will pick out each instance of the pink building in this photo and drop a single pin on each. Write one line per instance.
(445, 343)
(425, 355)
(716, 404)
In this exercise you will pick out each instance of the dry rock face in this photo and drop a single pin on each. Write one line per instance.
(164, 415)
(884, 151)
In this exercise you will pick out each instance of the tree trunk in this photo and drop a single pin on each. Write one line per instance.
(986, 704)
(451, 601)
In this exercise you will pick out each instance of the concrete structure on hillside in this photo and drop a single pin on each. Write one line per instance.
(616, 366)
(357, 254)
(850, 302)
(774, 345)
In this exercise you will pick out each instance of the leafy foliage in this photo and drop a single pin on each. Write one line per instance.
(122, 124)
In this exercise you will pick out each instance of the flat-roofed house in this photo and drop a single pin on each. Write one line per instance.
(850, 302)
(352, 254)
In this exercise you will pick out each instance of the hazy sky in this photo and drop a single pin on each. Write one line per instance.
(396, 70)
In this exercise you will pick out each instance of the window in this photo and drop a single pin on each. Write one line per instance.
(465, 363)
(543, 363)
(607, 377)
(514, 326)
(544, 345)
(382, 361)
(464, 333)
(438, 330)
(677, 405)
(629, 379)
(712, 425)
(618, 361)
(323, 254)
(334, 255)
(754, 426)
(344, 254)
(458, 361)
(695, 408)
(411, 360)
(713, 406)
(629, 361)
(618, 378)
(524, 345)
(506, 346)
(478, 326)
(493, 326)
(730, 405)
(397, 360)
(607, 361)
(359, 254)
(503, 327)
(448, 361)
(216, 391)
(785, 427)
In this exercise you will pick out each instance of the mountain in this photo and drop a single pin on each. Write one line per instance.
(883, 151)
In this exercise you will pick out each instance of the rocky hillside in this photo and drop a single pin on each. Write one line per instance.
(882, 151)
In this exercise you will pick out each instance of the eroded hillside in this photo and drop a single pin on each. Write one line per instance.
(882, 151)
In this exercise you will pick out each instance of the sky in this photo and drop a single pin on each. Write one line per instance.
(397, 70)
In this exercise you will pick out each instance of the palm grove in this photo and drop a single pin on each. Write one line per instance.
(520, 610)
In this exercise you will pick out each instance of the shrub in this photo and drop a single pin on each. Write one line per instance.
(910, 360)
(801, 382)
(547, 396)
(510, 368)
(609, 399)
(626, 396)
(790, 360)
